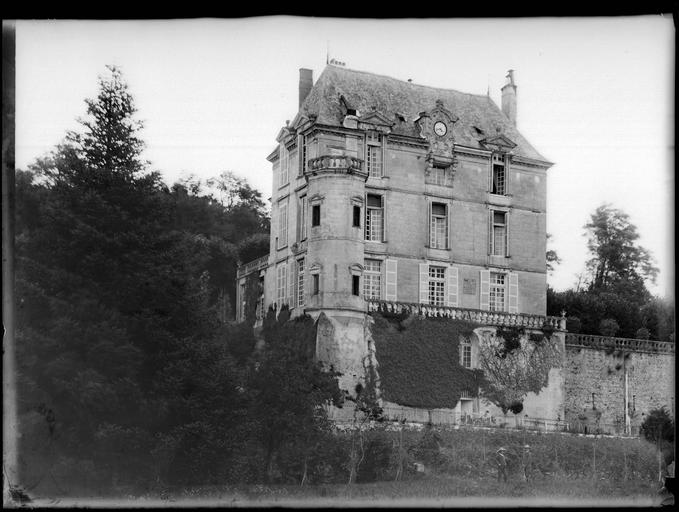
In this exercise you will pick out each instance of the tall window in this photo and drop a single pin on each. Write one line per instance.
(439, 226)
(285, 162)
(499, 234)
(437, 283)
(466, 352)
(300, 282)
(497, 291)
(282, 224)
(356, 285)
(499, 185)
(372, 277)
(301, 215)
(439, 175)
(281, 284)
(316, 215)
(357, 217)
(303, 154)
(374, 218)
(373, 157)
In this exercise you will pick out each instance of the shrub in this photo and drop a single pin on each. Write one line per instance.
(642, 334)
(573, 324)
(608, 327)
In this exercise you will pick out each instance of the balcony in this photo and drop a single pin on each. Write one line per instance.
(624, 344)
(252, 266)
(339, 164)
(478, 316)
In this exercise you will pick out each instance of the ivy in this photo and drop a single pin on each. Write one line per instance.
(419, 361)
(511, 337)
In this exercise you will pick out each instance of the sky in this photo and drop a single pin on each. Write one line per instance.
(595, 97)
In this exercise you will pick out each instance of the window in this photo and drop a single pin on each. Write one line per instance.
(439, 175)
(439, 226)
(316, 215)
(372, 277)
(285, 161)
(281, 284)
(498, 185)
(437, 282)
(301, 215)
(355, 285)
(499, 234)
(374, 218)
(300, 282)
(373, 158)
(282, 224)
(497, 291)
(466, 352)
(315, 283)
(357, 217)
(303, 155)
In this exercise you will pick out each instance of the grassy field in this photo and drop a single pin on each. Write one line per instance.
(459, 470)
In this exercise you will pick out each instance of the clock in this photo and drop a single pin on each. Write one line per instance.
(440, 128)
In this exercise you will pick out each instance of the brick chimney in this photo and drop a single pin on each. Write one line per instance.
(509, 97)
(306, 82)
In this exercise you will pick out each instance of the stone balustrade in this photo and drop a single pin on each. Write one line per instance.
(471, 315)
(336, 163)
(252, 266)
(624, 344)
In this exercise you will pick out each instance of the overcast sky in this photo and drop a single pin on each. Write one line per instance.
(595, 96)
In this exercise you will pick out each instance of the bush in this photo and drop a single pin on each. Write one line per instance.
(658, 426)
(642, 334)
(608, 327)
(573, 324)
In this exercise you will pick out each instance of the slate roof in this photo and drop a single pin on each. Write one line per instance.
(479, 116)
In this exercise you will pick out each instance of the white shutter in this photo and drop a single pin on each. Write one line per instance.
(506, 232)
(292, 278)
(513, 292)
(452, 287)
(390, 291)
(490, 231)
(429, 224)
(484, 296)
(384, 217)
(424, 283)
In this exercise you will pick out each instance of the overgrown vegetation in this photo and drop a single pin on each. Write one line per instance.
(420, 361)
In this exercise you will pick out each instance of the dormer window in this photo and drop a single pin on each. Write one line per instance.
(373, 160)
(499, 178)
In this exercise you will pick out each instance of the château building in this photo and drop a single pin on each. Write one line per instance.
(385, 189)
(390, 195)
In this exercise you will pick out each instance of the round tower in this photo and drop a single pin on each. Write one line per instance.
(336, 192)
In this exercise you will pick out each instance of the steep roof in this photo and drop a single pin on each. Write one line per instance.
(479, 116)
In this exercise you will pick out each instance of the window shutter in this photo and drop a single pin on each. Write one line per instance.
(484, 296)
(507, 234)
(390, 291)
(384, 218)
(424, 283)
(292, 279)
(513, 292)
(452, 287)
(490, 231)
(429, 224)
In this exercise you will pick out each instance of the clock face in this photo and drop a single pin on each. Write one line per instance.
(440, 128)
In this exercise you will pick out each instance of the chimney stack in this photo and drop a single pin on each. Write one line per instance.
(509, 97)
(306, 82)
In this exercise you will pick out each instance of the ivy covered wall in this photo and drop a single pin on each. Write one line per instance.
(419, 365)
(419, 361)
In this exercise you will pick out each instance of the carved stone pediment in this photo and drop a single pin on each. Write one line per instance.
(375, 120)
(500, 143)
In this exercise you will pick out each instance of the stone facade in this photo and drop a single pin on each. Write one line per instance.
(390, 191)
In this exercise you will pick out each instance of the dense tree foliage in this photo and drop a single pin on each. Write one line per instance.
(615, 300)
(129, 369)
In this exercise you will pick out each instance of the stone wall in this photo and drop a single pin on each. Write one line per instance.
(650, 383)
